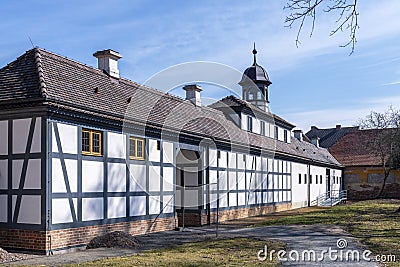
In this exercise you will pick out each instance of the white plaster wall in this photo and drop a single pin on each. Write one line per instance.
(241, 180)
(240, 161)
(154, 154)
(116, 145)
(270, 165)
(213, 201)
(250, 162)
(3, 208)
(138, 206)
(92, 176)
(116, 177)
(61, 211)
(223, 159)
(154, 204)
(299, 191)
(3, 137)
(256, 126)
(258, 165)
(244, 121)
(258, 183)
(168, 152)
(232, 199)
(57, 182)
(231, 160)
(154, 178)
(168, 204)
(30, 210)
(232, 180)
(223, 180)
(272, 130)
(20, 135)
(213, 180)
(213, 158)
(251, 198)
(116, 207)
(280, 134)
(92, 209)
(223, 201)
(241, 199)
(3, 174)
(33, 174)
(168, 179)
(267, 129)
(68, 137)
(250, 181)
(137, 177)
(317, 189)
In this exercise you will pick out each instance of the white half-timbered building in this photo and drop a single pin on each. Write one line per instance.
(84, 151)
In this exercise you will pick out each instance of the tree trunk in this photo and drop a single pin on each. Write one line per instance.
(386, 175)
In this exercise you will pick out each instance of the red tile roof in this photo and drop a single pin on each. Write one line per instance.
(351, 150)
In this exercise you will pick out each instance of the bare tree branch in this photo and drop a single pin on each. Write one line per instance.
(384, 143)
(300, 10)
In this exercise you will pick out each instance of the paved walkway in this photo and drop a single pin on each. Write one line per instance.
(300, 238)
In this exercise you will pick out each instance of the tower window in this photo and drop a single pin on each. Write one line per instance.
(249, 124)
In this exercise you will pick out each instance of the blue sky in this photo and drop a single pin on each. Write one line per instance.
(315, 84)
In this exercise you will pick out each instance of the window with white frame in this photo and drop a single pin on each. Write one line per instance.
(249, 124)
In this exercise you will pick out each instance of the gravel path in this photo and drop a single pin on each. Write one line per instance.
(300, 238)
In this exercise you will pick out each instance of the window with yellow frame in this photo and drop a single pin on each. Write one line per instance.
(91, 142)
(136, 148)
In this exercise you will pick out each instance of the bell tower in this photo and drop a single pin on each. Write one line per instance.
(254, 83)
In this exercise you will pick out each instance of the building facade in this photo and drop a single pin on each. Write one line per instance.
(363, 175)
(84, 152)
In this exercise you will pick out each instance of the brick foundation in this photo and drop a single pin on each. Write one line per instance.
(198, 218)
(26, 240)
(64, 240)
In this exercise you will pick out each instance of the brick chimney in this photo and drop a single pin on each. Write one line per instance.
(193, 93)
(108, 61)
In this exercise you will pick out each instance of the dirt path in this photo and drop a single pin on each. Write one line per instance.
(300, 238)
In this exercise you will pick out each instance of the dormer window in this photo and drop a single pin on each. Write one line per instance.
(249, 124)
(285, 136)
(262, 128)
(276, 132)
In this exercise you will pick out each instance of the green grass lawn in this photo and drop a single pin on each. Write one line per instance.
(221, 252)
(373, 222)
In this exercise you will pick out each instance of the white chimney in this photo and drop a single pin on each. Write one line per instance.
(193, 93)
(108, 61)
(315, 141)
(298, 134)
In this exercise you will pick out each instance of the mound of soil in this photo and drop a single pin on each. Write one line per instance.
(7, 257)
(114, 239)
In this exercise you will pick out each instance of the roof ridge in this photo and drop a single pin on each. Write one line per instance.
(39, 68)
